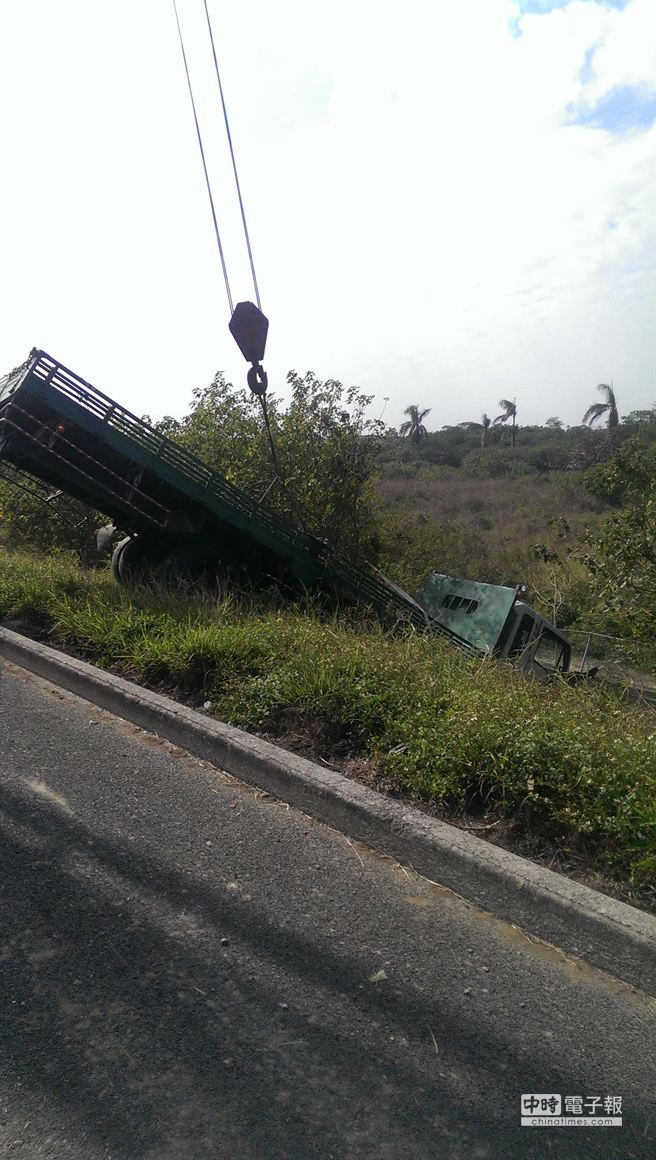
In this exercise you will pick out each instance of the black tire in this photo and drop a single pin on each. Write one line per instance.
(116, 557)
(197, 562)
(135, 561)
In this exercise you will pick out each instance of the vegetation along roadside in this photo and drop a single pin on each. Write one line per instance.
(566, 774)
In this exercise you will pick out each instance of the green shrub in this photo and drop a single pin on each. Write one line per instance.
(27, 521)
(325, 450)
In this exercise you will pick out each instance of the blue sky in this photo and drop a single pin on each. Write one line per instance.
(620, 111)
(441, 212)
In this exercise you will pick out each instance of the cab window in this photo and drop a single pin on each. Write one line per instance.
(522, 636)
(551, 652)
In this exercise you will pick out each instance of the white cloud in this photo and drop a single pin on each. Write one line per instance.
(625, 55)
(426, 220)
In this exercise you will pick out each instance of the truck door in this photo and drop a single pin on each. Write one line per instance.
(550, 654)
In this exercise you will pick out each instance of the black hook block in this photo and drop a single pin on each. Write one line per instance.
(249, 328)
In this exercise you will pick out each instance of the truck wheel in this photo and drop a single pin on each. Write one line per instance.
(135, 560)
(116, 557)
(198, 562)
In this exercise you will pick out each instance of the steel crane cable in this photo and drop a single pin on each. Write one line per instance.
(232, 157)
(202, 153)
(252, 347)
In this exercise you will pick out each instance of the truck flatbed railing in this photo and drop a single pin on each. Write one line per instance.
(169, 454)
(58, 427)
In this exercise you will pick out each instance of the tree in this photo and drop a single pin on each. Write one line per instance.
(509, 412)
(623, 561)
(325, 446)
(554, 423)
(483, 427)
(641, 418)
(594, 447)
(597, 410)
(414, 428)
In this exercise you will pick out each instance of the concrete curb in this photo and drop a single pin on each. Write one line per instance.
(608, 934)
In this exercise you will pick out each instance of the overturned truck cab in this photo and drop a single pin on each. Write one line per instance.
(494, 619)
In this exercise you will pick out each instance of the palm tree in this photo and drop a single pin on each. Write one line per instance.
(486, 423)
(509, 412)
(483, 427)
(609, 408)
(414, 428)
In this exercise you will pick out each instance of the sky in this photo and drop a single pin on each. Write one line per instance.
(450, 202)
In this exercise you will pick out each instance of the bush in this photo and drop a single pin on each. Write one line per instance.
(411, 546)
(497, 462)
(63, 524)
(567, 763)
(548, 458)
(622, 556)
(325, 451)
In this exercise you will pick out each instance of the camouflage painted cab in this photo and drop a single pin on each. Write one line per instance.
(492, 618)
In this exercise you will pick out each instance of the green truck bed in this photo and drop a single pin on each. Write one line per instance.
(57, 427)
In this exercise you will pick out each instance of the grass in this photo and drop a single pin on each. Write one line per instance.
(532, 529)
(487, 528)
(568, 766)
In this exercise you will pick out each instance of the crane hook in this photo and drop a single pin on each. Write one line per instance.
(249, 328)
(257, 379)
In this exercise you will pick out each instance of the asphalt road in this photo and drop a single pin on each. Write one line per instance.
(191, 971)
